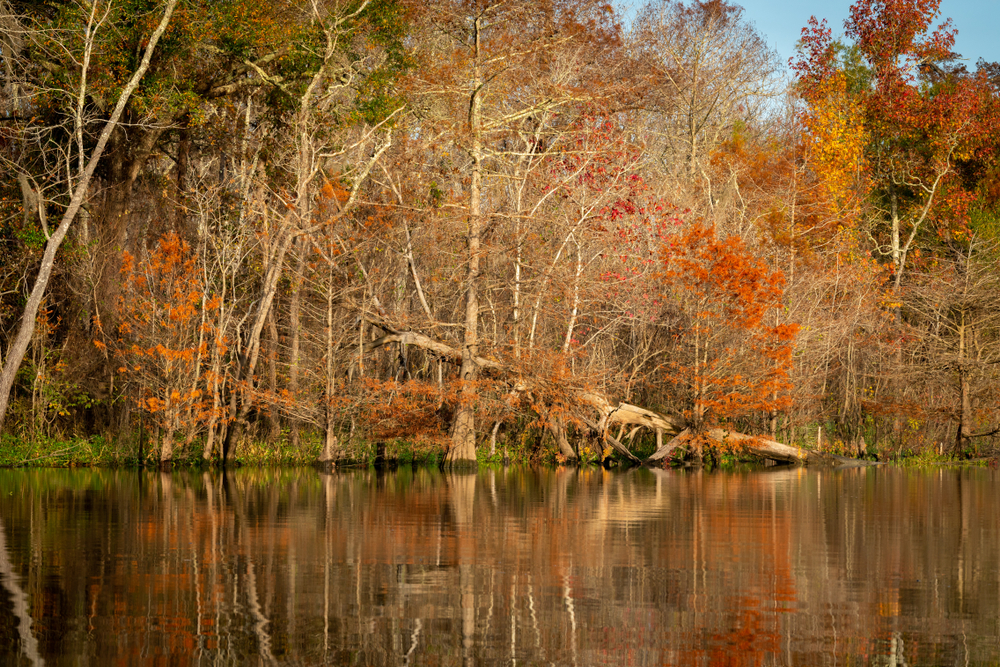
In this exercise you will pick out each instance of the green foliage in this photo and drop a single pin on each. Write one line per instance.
(849, 60)
(32, 238)
(985, 223)
(592, 455)
(407, 452)
(211, 44)
(521, 445)
(728, 460)
(281, 452)
(57, 452)
(924, 458)
(643, 444)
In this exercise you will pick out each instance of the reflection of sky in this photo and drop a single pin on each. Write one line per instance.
(781, 22)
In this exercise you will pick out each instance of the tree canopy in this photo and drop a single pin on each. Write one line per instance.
(495, 226)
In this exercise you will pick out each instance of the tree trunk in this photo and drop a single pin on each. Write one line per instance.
(557, 426)
(294, 326)
(964, 432)
(273, 414)
(332, 453)
(239, 409)
(463, 443)
(167, 447)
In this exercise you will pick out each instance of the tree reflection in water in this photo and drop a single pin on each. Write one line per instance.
(567, 567)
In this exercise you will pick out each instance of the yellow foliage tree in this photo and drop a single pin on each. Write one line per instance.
(835, 143)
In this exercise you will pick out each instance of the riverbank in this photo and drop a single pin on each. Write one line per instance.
(129, 451)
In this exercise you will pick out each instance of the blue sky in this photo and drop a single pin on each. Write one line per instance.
(781, 23)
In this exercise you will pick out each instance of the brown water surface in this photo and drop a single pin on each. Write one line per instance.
(515, 567)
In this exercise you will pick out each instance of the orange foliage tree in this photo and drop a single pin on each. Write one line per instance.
(730, 355)
(168, 335)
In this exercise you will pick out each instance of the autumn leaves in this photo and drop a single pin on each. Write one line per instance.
(463, 216)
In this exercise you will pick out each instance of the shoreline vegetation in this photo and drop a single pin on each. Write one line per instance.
(461, 232)
(130, 452)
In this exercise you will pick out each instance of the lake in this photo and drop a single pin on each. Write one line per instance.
(782, 566)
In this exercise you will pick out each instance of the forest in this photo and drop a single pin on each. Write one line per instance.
(496, 228)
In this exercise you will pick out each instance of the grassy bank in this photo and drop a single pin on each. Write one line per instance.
(132, 450)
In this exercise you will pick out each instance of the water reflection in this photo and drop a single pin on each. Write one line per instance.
(566, 567)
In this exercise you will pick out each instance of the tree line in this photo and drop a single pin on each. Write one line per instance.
(494, 224)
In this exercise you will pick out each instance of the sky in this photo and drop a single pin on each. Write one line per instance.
(780, 22)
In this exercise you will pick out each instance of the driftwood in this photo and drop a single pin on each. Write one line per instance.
(624, 414)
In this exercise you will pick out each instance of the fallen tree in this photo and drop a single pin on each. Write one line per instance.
(609, 413)
(754, 445)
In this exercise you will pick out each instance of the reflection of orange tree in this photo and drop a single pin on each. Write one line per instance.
(753, 639)
(167, 337)
(751, 586)
(730, 359)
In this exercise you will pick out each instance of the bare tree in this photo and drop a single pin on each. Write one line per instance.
(951, 314)
(318, 151)
(708, 72)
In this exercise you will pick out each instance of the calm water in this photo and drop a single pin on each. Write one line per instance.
(564, 567)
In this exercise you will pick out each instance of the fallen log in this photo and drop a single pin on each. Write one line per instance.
(608, 413)
(628, 414)
(621, 413)
(776, 451)
(426, 343)
(614, 442)
(758, 446)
